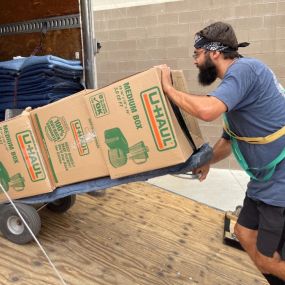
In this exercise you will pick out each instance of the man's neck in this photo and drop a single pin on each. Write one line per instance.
(224, 65)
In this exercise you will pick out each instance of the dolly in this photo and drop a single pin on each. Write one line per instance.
(229, 223)
(63, 198)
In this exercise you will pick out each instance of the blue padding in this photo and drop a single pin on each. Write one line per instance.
(203, 155)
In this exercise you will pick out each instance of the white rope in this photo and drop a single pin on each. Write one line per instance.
(34, 237)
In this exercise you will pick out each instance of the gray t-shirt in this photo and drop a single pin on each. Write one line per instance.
(256, 108)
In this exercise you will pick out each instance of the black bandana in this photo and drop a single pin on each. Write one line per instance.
(202, 42)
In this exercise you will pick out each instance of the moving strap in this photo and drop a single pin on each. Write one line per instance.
(269, 169)
(254, 140)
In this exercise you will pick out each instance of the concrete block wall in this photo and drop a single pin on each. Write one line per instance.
(136, 38)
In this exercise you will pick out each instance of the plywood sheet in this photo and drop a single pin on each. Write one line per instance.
(135, 234)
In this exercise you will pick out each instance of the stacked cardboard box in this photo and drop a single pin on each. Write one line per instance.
(125, 128)
(68, 141)
(22, 168)
(136, 126)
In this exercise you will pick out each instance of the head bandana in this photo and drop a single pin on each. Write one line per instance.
(202, 42)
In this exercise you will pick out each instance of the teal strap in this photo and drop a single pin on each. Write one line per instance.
(270, 167)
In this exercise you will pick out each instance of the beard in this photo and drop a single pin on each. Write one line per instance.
(207, 72)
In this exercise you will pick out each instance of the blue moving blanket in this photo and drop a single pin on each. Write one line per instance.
(200, 157)
(37, 80)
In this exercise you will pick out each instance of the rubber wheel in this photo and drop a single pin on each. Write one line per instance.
(12, 226)
(62, 205)
(238, 210)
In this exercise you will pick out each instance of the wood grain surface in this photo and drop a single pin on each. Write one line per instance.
(134, 234)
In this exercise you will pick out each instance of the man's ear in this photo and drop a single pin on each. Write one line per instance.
(216, 54)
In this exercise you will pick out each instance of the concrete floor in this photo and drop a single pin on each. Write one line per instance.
(223, 189)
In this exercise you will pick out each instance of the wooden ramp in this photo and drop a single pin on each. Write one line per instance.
(135, 234)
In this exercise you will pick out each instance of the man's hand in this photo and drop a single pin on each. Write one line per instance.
(202, 171)
(166, 81)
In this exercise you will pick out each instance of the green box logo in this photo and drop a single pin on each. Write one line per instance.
(99, 105)
(56, 129)
(79, 137)
(158, 120)
(30, 155)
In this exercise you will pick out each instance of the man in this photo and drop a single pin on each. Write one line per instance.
(253, 104)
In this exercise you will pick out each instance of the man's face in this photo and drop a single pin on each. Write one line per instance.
(207, 70)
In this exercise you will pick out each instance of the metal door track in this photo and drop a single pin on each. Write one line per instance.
(53, 23)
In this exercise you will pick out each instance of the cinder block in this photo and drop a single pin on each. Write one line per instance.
(252, 1)
(168, 41)
(138, 33)
(281, 8)
(108, 66)
(280, 58)
(274, 21)
(243, 10)
(157, 31)
(280, 33)
(185, 63)
(180, 52)
(125, 44)
(249, 23)
(168, 19)
(145, 21)
(102, 35)
(190, 17)
(175, 30)
(280, 47)
(263, 9)
(146, 10)
(270, 59)
(262, 34)
(268, 46)
(160, 54)
(117, 34)
(110, 14)
(126, 66)
(121, 24)
(147, 43)
(118, 55)
(101, 25)
(147, 63)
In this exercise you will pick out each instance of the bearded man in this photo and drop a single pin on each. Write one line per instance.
(252, 103)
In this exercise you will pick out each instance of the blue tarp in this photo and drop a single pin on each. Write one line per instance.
(200, 157)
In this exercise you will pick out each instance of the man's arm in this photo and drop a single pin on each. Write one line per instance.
(206, 108)
(221, 150)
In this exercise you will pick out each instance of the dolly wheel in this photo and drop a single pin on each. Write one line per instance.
(12, 226)
(62, 205)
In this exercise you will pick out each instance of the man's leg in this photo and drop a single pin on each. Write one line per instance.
(247, 239)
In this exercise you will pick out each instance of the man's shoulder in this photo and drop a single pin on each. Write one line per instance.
(250, 61)
(248, 64)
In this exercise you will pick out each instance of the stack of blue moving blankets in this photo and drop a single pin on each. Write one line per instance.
(37, 80)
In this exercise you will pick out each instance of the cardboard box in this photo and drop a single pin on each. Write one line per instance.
(135, 125)
(180, 83)
(22, 169)
(68, 141)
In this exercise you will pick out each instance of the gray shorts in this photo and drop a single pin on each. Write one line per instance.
(269, 221)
